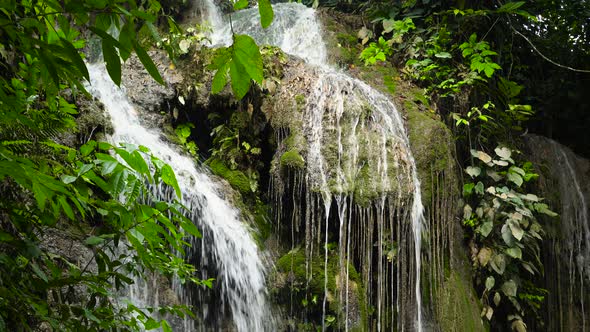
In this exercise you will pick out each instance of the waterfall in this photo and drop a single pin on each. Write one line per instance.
(357, 158)
(567, 263)
(226, 252)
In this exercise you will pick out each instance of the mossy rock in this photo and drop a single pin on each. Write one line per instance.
(461, 310)
(293, 159)
(308, 290)
(237, 179)
(432, 146)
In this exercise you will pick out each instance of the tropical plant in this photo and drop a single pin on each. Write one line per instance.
(505, 235)
(93, 201)
(88, 195)
(242, 60)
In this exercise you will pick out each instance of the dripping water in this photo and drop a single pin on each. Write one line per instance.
(226, 247)
(297, 31)
(567, 251)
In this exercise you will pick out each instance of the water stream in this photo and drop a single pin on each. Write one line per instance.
(226, 252)
(378, 138)
(567, 261)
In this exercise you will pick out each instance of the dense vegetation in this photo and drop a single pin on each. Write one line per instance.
(482, 64)
(492, 70)
(87, 194)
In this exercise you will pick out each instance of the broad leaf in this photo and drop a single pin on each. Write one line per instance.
(490, 282)
(266, 13)
(247, 54)
(509, 288)
(240, 80)
(147, 62)
(516, 230)
(219, 80)
(93, 240)
(169, 178)
(515, 178)
(514, 252)
(113, 62)
(481, 156)
(498, 263)
(473, 171)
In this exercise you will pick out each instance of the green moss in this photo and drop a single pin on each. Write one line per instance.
(432, 146)
(460, 309)
(300, 100)
(294, 264)
(292, 158)
(236, 179)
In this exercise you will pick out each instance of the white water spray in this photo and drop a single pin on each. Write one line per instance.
(227, 246)
(297, 31)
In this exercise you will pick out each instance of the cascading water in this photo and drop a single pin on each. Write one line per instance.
(358, 159)
(567, 264)
(226, 248)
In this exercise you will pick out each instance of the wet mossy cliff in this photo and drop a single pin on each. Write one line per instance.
(327, 211)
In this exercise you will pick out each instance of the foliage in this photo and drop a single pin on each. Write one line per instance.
(134, 238)
(501, 217)
(179, 43)
(90, 195)
(242, 59)
(234, 158)
(376, 52)
(243, 62)
(183, 132)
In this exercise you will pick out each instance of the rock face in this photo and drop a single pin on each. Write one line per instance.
(565, 182)
(333, 149)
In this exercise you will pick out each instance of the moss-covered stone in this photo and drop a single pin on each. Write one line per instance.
(307, 280)
(236, 178)
(432, 146)
(461, 309)
(292, 158)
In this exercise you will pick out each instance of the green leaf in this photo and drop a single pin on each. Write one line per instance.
(266, 13)
(188, 226)
(497, 298)
(66, 207)
(485, 228)
(75, 58)
(219, 80)
(468, 189)
(515, 178)
(38, 271)
(479, 188)
(509, 288)
(240, 80)
(443, 55)
(126, 37)
(67, 179)
(247, 54)
(510, 6)
(151, 324)
(93, 240)
(507, 236)
(498, 263)
(113, 62)
(516, 230)
(221, 58)
(5, 237)
(490, 282)
(514, 252)
(87, 148)
(166, 327)
(240, 4)
(147, 62)
(169, 178)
